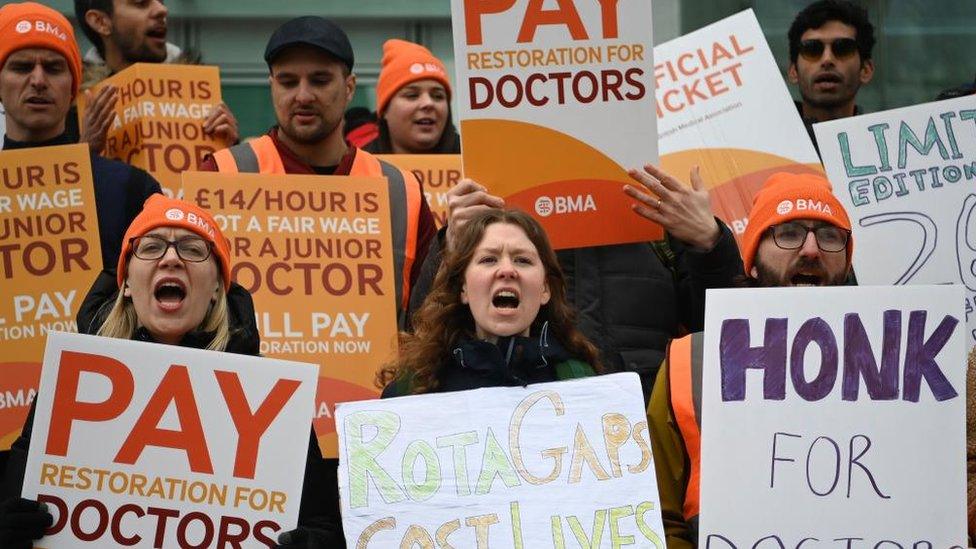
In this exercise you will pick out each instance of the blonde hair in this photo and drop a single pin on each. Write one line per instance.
(121, 321)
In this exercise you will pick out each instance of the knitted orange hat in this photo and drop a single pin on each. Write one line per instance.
(31, 25)
(159, 211)
(405, 62)
(787, 196)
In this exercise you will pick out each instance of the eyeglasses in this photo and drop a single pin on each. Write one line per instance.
(791, 236)
(842, 48)
(188, 248)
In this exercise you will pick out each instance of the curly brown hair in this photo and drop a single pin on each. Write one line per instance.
(443, 320)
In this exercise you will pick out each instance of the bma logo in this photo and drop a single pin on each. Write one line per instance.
(566, 204)
(25, 26)
(806, 204)
(544, 206)
(174, 214)
(784, 207)
(418, 68)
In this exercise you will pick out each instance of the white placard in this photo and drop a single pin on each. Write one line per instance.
(563, 464)
(834, 414)
(157, 445)
(722, 104)
(908, 180)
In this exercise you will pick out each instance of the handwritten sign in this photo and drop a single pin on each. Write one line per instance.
(159, 119)
(906, 178)
(158, 445)
(711, 84)
(555, 106)
(834, 414)
(549, 465)
(316, 254)
(437, 173)
(49, 256)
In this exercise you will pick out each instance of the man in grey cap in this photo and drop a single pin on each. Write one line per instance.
(310, 60)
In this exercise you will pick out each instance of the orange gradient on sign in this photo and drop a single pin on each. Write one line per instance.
(733, 177)
(18, 381)
(527, 164)
(316, 254)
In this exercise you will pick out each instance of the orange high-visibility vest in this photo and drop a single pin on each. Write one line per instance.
(261, 156)
(685, 378)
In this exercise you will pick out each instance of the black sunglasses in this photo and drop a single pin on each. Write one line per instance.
(842, 48)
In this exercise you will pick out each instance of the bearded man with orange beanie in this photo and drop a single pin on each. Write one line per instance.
(798, 235)
(40, 74)
(413, 99)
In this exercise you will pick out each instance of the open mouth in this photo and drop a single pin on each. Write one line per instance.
(425, 122)
(828, 78)
(169, 293)
(37, 100)
(505, 299)
(806, 279)
(158, 33)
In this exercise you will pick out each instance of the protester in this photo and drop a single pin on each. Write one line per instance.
(40, 74)
(125, 32)
(413, 103)
(311, 61)
(830, 59)
(782, 246)
(632, 298)
(497, 315)
(172, 286)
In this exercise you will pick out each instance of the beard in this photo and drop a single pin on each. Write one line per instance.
(308, 134)
(136, 50)
(816, 274)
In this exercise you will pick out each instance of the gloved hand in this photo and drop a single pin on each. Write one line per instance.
(322, 535)
(22, 521)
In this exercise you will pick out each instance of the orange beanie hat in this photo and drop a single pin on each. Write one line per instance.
(159, 211)
(32, 25)
(405, 62)
(787, 196)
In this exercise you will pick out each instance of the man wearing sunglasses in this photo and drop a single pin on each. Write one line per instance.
(798, 235)
(830, 59)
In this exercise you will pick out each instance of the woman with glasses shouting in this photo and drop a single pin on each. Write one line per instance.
(173, 286)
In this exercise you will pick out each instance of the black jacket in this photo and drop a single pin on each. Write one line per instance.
(244, 340)
(511, 362)
(120, 191)
(632, 298)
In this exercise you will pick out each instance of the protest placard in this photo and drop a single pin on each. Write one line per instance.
(159, 118)
(722, 105)
(316, 254)
(437, 173)
(167, 446)
(554, 108)
(906, 178)
(49, 255)
(548, 465)
(834, 414)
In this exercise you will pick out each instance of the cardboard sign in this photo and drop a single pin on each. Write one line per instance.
(437, 173)
(159, 120)
(906, 178)
(49, 255)
(722, 105)
(554, 108)
(548, 465)
(834, 414)
(316, 254)
(166, 446)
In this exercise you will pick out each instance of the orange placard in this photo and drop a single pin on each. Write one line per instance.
(437, 173)
(316, 253)
(49, 255)
(160, 113)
